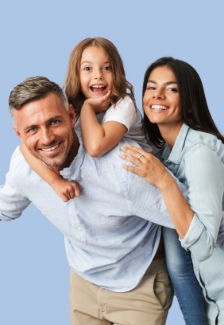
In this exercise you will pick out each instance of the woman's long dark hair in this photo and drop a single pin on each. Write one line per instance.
(194, 108)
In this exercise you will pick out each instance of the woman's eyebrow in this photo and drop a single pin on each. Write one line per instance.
(165, 83)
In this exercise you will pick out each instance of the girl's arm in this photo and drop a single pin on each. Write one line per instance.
(65, 189)
(99, 139)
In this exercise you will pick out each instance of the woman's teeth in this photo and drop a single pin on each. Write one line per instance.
(158, 107)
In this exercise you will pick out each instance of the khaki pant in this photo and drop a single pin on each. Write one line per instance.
(147, 304)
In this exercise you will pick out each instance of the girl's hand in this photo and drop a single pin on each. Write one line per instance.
(66, 190)
(99, 104)
(148, 166)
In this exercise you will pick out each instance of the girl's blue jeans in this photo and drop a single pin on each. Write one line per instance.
(187, 289)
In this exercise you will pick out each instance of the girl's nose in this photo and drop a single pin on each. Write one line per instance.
(98, 74)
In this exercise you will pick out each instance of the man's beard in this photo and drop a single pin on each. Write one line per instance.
(55, 164)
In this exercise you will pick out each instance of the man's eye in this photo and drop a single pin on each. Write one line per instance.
(151, 88)
(55, 122)
(31, 130)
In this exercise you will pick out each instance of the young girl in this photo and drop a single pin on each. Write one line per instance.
(104, 103)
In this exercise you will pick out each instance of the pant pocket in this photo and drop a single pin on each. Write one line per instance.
(163, 289)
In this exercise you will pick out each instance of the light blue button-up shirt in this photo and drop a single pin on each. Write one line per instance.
(197, 160)
(111, 231)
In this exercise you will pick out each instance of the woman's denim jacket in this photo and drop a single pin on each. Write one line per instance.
(197, 160)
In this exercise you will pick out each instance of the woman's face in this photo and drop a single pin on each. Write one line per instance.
(161, 99)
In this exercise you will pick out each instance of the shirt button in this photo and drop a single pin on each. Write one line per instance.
(76, 225)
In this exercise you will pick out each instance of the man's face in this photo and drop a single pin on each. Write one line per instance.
(46, 128)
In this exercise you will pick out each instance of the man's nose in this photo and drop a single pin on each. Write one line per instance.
(46, 136)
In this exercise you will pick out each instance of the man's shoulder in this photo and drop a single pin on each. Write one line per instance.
(19, 169)
(113, 156)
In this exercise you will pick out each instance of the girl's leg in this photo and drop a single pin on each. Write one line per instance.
(186, 286)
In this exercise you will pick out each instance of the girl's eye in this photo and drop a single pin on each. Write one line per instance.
(107, 67)
(86, 68)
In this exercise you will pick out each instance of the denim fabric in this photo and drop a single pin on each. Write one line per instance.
(187, 289)
(110, 237)
(197, 160)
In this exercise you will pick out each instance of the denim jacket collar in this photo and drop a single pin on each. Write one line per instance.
(175, 155)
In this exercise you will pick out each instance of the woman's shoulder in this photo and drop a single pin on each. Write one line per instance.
(199, 137)
(196, 139)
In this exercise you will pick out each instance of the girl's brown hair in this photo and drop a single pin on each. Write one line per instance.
(121, 86)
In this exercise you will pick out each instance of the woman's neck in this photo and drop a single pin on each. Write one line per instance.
(170, 132)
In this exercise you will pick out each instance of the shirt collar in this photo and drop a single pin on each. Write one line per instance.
(174, 155)
(77, 159)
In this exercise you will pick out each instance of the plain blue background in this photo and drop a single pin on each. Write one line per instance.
(36, 39)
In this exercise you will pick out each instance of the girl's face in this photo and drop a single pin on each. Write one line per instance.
(161, 99)
(96, 76)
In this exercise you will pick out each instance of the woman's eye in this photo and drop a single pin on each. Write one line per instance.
(173, 89)
(151, 88)
(86, 68)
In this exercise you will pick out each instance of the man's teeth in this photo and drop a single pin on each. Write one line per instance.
(50, 149)
(158, 107)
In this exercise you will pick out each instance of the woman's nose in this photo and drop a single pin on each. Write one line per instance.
(159, 94)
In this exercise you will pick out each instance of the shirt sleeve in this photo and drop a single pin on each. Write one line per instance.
(12, 202)
(220, 239)
(204, 173)
(123, 112)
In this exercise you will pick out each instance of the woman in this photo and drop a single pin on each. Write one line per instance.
(177, 119)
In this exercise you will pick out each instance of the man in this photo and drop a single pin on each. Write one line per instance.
(112, 246)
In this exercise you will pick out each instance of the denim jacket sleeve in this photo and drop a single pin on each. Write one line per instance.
(204, 173)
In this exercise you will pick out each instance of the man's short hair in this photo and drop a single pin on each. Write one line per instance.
(31, 89)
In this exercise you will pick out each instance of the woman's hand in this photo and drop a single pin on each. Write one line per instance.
(153, 171)
(148, 166)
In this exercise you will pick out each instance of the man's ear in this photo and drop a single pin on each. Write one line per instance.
(72, 115)
(17, 131)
